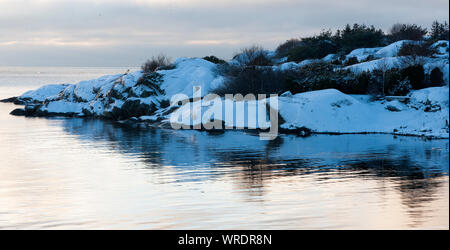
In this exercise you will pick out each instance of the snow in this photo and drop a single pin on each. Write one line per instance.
(40, 94)
(330, 111)
(392, 49)
(440, 46)
(189, 73)
(329, 58)
(294, 65)
(363, 53)
(436, 95)
(63, 106)
(385, 63)
(323, 111)
(286, 66)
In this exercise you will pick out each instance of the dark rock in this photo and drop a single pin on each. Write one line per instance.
(393, 108)
(302, 131)
(132, 108)
(18, 112)
(12, 100)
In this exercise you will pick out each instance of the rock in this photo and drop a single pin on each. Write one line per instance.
(132, 108)
(302, 131)
(286, 94)
(18, 112)
(12, 99)
(393, 108)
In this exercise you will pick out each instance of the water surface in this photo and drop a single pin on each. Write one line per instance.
(62, 173)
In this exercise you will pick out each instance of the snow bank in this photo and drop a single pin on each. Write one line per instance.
(392, 49)
(189, 73)
(363, 53)
(384, 63)
(330, 111)
(40, 94)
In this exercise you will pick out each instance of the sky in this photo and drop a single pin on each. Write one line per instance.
(126, 33)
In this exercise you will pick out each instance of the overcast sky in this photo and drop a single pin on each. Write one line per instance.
(125, 33)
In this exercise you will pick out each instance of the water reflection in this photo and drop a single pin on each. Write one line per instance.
(77, 173)
(414, 163)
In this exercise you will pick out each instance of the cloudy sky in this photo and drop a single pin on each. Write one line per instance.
(125, 33)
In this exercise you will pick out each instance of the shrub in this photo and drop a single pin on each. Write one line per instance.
(351, 60)
(365, 80)
(260, 60)
(311, 50)
(395, 84)
(375, 83)
(439, 31)
(402, 88)
(436, 77)
(407, 32)
(248, 54)
(283, 49)
(413, 49)
(214, 59)
(313, 47)
(336, 62)
(318, 76)
(255, 80)
(155, 63)
(415, 74)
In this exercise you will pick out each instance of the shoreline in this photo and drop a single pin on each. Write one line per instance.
(300, 132)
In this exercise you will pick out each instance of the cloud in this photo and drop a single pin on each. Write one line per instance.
(183, 27)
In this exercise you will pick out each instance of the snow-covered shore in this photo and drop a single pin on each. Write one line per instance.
(422, 113)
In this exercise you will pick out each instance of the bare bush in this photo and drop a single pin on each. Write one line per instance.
(249, 54)
(161, 61)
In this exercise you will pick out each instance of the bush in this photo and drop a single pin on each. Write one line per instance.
(214, 59)
(407, 32)
(402, 88)
(318, 76)
(369, 58)
(313, 47)
(249, 54)
(412, 49)
(283, 49)
(343, 41)
(395, 84)
(351, 60)
(436, 77)
(260, 60)
(375, 83)
(313, 50)
(415, 74)
(439, 31)
(155, 63)
(252, 80)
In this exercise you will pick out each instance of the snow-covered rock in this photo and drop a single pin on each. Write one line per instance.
(330, 111)
(392, 49)
(190, 72)
(363, 53)
(40, 94)
(122, 96)
(107, 95)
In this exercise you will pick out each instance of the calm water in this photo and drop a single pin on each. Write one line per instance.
(88, 174)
